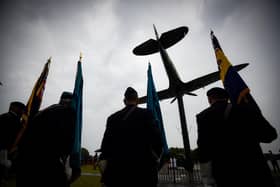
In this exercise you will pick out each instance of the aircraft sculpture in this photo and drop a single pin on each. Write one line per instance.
(177, 88)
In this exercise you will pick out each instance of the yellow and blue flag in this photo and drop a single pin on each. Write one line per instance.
(34, 101)
(238, 90)
(77, 103)
(153, 105)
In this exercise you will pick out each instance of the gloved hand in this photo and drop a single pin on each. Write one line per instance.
(4, 159)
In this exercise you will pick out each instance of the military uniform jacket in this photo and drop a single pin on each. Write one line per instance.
(9, 128)
(233, 145)
(130, 137)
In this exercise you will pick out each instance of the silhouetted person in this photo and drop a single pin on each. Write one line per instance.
(45, 146)
(10, 125)
(273, 161)
(229, 136)
(131, 145)
(94, 161)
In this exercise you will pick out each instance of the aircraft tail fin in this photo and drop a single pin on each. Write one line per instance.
(166, 40)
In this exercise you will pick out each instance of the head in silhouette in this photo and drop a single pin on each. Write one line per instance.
(217, 94)
(66, 99)
(130, 96)
(17, 108)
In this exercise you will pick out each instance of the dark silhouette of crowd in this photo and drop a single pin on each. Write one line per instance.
(229, 138)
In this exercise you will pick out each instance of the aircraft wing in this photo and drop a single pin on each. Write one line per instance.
(200, 82)
(163, 94)
(192, 85)
(206, 80)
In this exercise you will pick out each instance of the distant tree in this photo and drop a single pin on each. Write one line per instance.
(84, 155)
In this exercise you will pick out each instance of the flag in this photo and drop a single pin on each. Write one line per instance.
(78, 106)
(34, 101)
(238, 90)
(153, 105)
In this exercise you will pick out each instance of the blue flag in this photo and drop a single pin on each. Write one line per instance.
(78, 106)
(153, 105)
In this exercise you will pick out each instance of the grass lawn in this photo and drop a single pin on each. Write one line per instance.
(83, 181)
(86, 180)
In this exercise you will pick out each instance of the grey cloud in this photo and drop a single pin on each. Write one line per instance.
(214, 12)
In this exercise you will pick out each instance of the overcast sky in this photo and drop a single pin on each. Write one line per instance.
(106, 31)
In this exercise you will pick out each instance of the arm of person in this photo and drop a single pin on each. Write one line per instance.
(106, 141)
(203, 140)
(67, 142)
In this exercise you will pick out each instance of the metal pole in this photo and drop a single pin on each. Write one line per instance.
(189, 163)
(173, 169)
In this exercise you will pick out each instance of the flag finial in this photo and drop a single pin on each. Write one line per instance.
(81, 56)
(49, 59)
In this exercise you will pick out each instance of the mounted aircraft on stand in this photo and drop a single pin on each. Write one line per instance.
(177, 88)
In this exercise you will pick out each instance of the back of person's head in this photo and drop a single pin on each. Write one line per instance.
(130, 95)
(217, 94)
(66, 98)
(17, 107)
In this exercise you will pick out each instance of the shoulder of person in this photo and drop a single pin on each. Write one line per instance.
(3, 114)
(217, 107)
(116, 114)
(6, 115)
(55, 110)
(144, 110)
(204, 112)
(58, 108)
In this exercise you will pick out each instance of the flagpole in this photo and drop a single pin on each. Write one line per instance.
(75, 160)
(185, 134)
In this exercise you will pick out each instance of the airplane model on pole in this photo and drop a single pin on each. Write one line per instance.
(177, 88)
